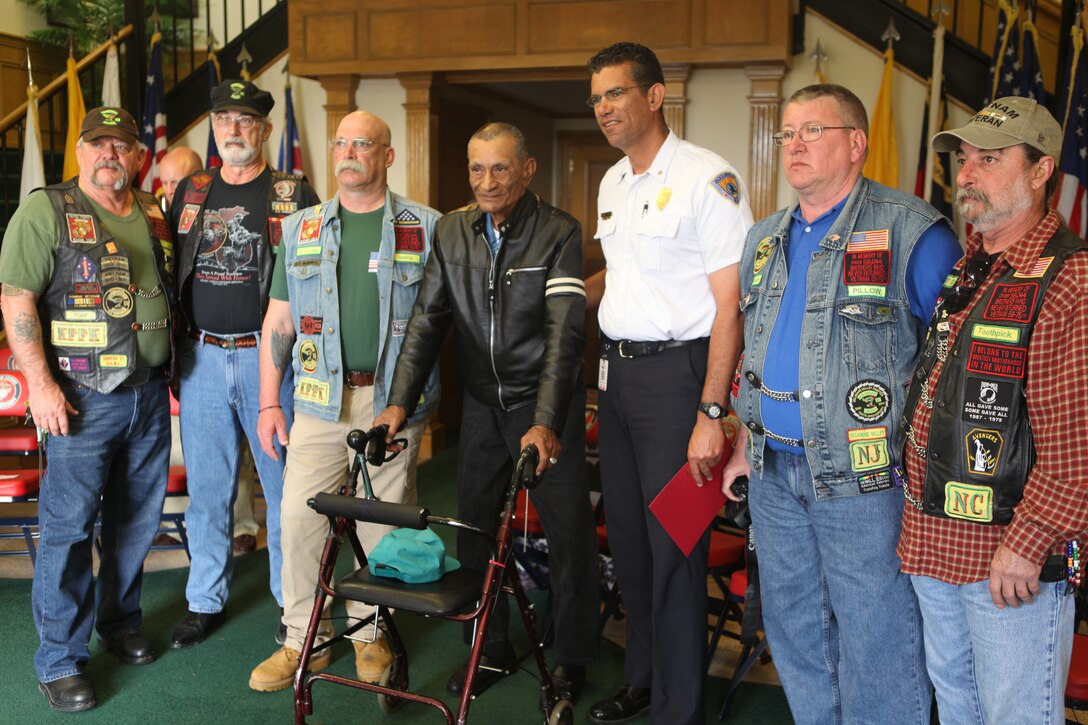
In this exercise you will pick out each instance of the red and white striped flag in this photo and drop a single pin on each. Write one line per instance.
(153, 123)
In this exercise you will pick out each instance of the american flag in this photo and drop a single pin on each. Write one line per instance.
(1005, 68)
(1072, 197)
(153, 125)
(290, 151)
(212, 156)
(868, 241)
(1031, 73)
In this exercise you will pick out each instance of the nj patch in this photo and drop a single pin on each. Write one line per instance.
(1036, 270)
(307, 356)
(78, 334)
(987, 401)
(188, 216)
(312, 390)
(983, 451)
(117, 302)
(1001, 360)
(308, 325)
(967, 501)
(868, 401)
(1011, 302)
(875, 482)
(726, 184)
(868, 448)
(81, 229)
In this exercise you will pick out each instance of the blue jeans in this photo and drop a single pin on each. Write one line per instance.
(841, 620)
(993, 665)
(113, 461)
(220, 400)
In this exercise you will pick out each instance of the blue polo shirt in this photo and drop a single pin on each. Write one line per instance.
(936, 252)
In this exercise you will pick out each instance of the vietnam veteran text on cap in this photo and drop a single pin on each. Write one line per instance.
(236, 95)
(1006, 122)
(107, 121)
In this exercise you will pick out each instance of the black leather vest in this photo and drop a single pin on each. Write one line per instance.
(90, 303)
(980, 448)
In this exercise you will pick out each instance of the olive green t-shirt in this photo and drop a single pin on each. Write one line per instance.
(29, 254)
(357, 287)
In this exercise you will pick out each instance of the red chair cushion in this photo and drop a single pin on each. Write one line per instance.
(176, 484)
(19, 483)
(18, 440)
(1077, 687)
(725, 549)
(738, 584)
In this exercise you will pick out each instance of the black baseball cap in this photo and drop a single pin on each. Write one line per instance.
(108, 121)
(239, 95)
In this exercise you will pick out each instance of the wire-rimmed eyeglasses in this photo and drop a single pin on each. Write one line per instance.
(808, 134)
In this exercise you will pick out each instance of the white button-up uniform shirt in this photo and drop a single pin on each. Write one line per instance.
(663, 232)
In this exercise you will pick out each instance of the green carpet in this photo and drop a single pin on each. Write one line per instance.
(208, 684)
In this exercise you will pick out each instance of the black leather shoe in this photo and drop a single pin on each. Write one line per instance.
(626, 705)
(498, 668)
(568, 681)
(69, 694)
(132, 648)
(195, 628)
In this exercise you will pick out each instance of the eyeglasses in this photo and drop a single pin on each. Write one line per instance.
(974, 273)
(613, 94)
(808, 134)
(359, 145)
(244, 120)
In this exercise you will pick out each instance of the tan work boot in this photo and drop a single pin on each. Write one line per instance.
(278, 671)
(372, 659)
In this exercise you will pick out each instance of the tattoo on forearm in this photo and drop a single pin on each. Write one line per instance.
(281, 350)
(26, 328)
(10, 291)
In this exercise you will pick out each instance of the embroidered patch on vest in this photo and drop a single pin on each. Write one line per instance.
(307, 356)
(983, 451)
(284, 207)
(1011, 302)
(83, 301)
(875, 482)
(113, 361)
(1001, 360)
(408, 243)
(81, 315)
(311, 229)
(117, 302)
(308, 325)
(987, 401)
(1036, 270)
(284, 189)
(996, 333)
(81, 229)
(78, 334)
(312, 390)
(399, 327)
(868, 401)
(966, 501)
(188, 216)
(763, 253)
(275, 231)
(405, 217)
(199, 181)
(74, 364)
(868, 448)
(85, 270)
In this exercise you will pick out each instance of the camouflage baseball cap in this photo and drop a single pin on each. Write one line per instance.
(107, 121)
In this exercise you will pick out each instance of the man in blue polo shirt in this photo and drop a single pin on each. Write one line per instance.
(840, 287)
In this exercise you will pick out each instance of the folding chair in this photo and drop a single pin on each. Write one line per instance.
(18, 485)
(462, 595)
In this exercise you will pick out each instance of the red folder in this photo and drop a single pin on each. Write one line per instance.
(686, 509)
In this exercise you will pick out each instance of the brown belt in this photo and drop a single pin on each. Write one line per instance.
(355, 379)
(227, 343)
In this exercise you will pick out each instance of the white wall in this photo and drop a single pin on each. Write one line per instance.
(19, 18)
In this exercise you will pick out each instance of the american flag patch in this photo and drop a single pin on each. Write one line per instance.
(372, 265)
(868, 241)
(406, 217)
(1036, 270)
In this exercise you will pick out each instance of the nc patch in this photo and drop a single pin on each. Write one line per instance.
(868, 401)
(967, 501)
(726, 184)
(984, 451)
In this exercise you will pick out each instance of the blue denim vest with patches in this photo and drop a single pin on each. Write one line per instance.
(859, 340)
(311, 243)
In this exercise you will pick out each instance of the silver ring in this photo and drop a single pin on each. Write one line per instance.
(553, 461)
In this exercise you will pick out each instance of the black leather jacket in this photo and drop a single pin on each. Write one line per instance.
(519, 319)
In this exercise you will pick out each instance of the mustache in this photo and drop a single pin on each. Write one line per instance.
(112, 165)
(972, 194)
(350, 165)
(237, 141)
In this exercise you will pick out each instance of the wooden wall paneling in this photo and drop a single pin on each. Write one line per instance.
(676, 96)
(339, 102)
(766, 110)
(420, 147)
(588, 26)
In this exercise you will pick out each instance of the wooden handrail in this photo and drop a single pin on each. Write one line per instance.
(61, 81)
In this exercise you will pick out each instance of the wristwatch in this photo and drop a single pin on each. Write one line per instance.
(714, 411)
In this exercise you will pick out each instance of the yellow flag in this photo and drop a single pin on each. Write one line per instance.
(76, 112)
(883, 162)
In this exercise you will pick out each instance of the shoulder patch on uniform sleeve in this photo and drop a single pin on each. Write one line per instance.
(726, 184)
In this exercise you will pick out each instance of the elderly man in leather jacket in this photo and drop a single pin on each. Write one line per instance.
(506, 274)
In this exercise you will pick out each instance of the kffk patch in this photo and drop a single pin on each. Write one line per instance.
(1011, 302)
(81, 228)
(78, 334)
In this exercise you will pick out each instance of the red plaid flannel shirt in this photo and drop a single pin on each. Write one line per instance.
(1055, 503)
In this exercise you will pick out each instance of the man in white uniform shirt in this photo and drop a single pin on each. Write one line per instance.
(672, 221)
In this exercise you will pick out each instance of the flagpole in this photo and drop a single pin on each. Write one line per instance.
(936, 81)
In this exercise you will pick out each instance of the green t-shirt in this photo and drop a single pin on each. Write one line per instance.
(357, 287)
(29, 253)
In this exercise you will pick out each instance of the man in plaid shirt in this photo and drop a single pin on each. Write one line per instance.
(995, 445)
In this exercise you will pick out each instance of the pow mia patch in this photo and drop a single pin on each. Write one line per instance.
(983, 451)
(1011, 302)
(987, 401)
(726, 184)
(307, 356)
(310, 325)
(117, 302)
(868, 401)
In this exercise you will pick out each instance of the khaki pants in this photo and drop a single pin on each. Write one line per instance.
(317, 460)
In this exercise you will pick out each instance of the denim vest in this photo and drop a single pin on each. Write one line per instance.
(859, 340)
(311, 243)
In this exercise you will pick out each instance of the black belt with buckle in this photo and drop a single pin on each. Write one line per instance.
(356, 379)
(629, 349)
(227, 343)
